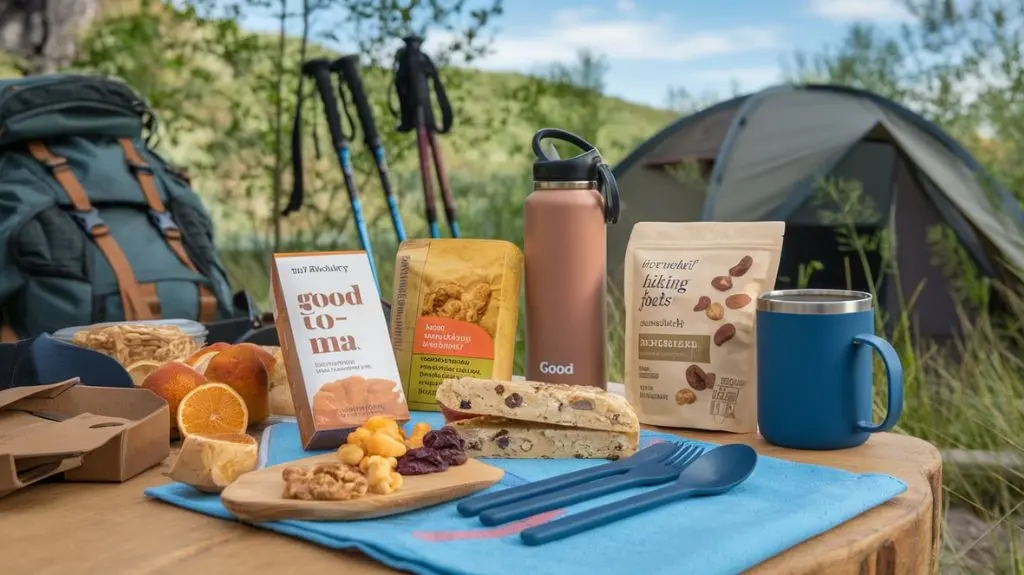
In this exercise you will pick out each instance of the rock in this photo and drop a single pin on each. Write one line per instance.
(43, 33)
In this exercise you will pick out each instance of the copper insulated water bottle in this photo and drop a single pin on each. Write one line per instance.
(564, 238)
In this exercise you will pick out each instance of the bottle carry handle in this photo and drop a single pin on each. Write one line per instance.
(605, 178)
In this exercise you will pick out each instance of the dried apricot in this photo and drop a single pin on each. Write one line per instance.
(383, 443)
(351, 454)
(359, 436)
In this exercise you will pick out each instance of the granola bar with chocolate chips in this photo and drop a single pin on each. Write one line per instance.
(556, 404)
(499, 437)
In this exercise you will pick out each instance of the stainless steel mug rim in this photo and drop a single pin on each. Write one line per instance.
(815, 301)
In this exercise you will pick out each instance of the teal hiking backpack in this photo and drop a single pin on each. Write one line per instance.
(94, 225)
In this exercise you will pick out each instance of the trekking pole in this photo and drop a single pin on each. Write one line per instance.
(320, 70)
(413, 70)
(347, 68)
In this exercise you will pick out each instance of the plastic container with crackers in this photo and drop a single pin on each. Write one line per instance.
(127, 342)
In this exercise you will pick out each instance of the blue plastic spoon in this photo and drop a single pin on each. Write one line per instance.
(715, 472)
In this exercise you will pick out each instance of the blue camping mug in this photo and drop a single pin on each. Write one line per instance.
(814, 369)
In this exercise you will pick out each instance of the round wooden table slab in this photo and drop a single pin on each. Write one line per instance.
(65, 528)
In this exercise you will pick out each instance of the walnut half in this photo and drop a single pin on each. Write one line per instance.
(324, 482)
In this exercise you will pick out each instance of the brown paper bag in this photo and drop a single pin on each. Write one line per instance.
(690, 296)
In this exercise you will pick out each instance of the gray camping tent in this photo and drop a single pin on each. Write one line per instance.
(762, 156)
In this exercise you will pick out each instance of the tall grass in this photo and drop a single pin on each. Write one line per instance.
(964, 394)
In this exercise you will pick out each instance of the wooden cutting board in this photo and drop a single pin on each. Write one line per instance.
(256, 496)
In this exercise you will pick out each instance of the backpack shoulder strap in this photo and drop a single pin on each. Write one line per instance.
(162, 219)
(88, 218)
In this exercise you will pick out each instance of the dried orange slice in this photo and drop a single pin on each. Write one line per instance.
(211, 462)
(213, 408)
(141, 369)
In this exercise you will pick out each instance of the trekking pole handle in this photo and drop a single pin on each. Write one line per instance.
(418, 79)
(320, 70)
(348, 68)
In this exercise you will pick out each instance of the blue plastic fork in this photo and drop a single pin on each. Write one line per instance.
(645, 474)
(474, 505)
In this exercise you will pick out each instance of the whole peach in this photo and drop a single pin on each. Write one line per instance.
(265, 356)
(172, 381)
(241, 369)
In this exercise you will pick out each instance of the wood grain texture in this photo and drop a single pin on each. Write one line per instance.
(256, 496)
(67, 529)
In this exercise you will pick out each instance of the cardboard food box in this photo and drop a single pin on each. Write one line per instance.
(335, 343)
(86, 433)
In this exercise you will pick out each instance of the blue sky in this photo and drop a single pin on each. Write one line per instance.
(704, 46)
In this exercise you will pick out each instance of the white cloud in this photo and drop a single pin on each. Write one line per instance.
(864, 10)
(570, 16)
(625, 5)
(747, 79)
(621, 38)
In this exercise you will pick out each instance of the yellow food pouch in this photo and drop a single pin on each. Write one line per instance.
(454, 312)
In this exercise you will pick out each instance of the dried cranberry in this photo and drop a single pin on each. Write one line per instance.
(443, 438)
(501, 439)
(421, 461)
(513, 401)
(453, 456)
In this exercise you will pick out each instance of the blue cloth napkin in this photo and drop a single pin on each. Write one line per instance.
(779, 506)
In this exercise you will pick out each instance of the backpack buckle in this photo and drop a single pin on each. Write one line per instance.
(56, 164)
(141, 168)
(165, 223)
(90, 221)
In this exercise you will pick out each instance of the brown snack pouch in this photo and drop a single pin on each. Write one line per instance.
(691, 362)
(454, 312)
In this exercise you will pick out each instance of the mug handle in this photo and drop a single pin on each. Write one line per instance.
(894, 380)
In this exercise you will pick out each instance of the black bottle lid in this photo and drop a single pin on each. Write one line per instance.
(586, 167)
(581, 168)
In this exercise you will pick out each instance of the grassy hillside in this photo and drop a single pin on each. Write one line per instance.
(491, 129)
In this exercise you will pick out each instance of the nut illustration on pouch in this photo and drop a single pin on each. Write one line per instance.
(737, 301)
(452, 300)
(741, 268)
(724, 334)
(685, 397)
(698, 379)
(702, 303)
(695, 377)
(722, 283)
(715, 312)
